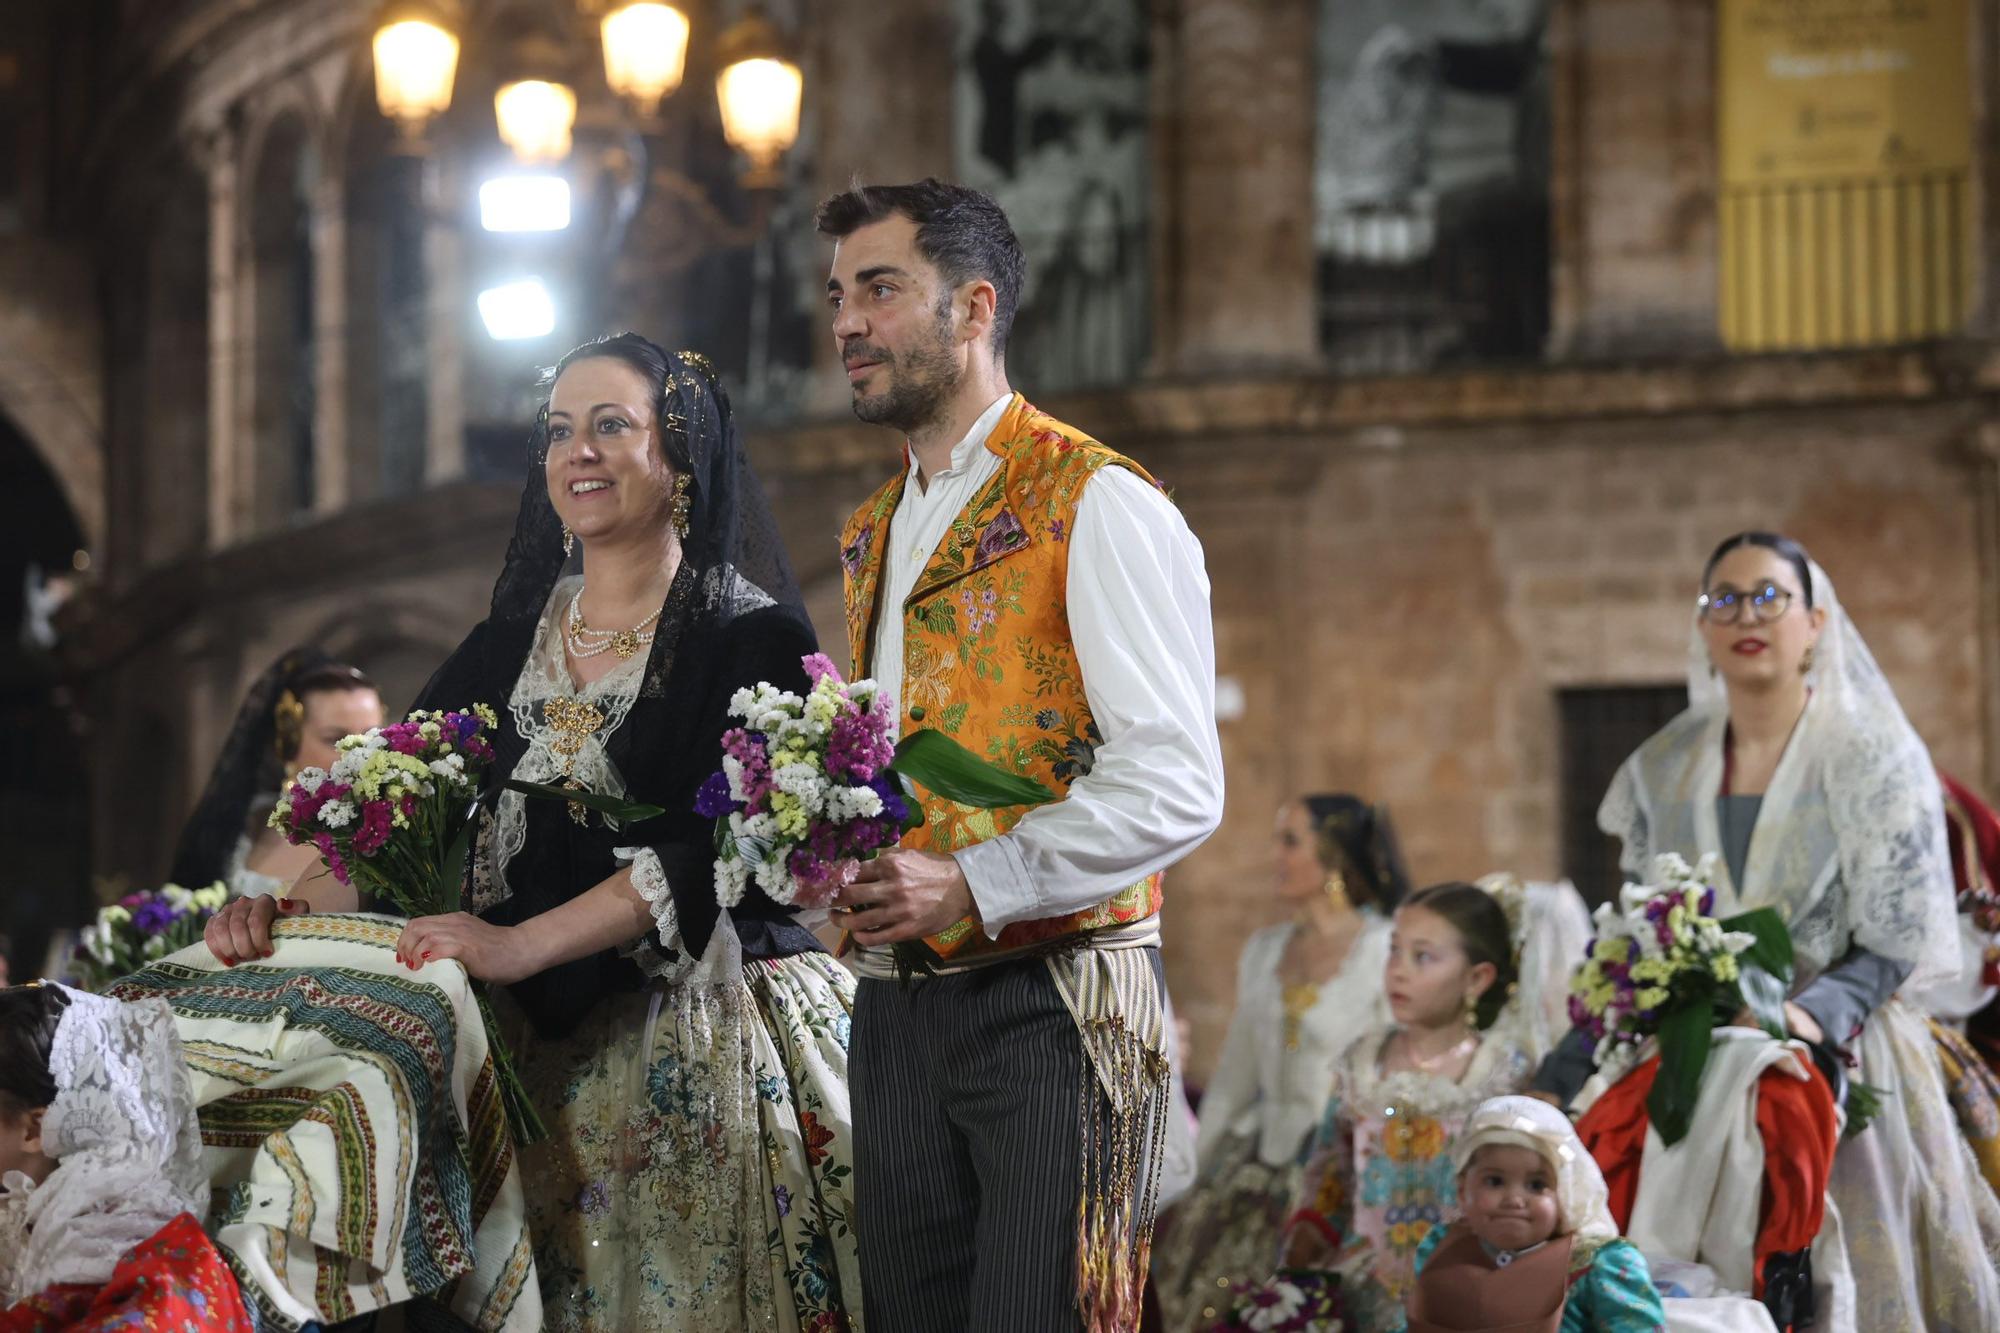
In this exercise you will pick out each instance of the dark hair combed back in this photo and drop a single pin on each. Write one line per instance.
(960, 231)
(1770, 541)
(28, 1018)
(333, 676)
(1481, 924)
(288, 722)
(650, 360)
(1357, 839)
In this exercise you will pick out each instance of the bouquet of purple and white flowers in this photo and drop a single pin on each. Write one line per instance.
(809, 787)
(142, 928)
(1665, 970)
(805, 789)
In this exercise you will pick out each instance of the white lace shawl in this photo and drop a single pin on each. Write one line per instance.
(1498, 1067)
(1261, 1088)
(127, 1146)
(545, 675)
(1850, 841)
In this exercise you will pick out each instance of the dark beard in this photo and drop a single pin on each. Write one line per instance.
(920, 386)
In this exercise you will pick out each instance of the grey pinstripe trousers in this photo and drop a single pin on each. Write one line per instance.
(967, 1161)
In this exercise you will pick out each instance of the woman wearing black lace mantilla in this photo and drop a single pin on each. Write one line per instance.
(691, 1062)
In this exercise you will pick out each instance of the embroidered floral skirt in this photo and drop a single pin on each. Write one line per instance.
(1225, 1230)
(1922, 1226)
(698, 1174)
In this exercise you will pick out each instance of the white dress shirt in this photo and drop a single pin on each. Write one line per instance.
(1139, 619)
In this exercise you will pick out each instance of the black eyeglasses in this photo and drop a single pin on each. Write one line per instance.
(1724, 605)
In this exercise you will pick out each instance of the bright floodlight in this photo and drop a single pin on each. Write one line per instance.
(524, 203)
(518, 310)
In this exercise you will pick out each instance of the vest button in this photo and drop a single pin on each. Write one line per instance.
(916, 712)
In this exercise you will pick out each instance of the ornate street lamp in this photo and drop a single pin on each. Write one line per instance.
(645, 44)
(760, 89)
(416, 60)
(535, 118)
(645, 54)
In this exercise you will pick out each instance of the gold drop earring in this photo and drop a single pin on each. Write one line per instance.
(681, 506)
(1336, 890)
(569, 542)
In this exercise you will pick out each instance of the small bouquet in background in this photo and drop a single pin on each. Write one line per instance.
(393, 814)
(1663, 968)
(1295, 1300)
(394, 818)
(142, 928)
(810, 787)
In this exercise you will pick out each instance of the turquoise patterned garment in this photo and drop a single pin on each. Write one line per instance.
(1615, 1295)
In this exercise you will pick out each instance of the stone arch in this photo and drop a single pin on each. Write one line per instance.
(51, 371)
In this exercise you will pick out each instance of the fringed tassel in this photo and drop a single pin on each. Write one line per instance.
(1123, 1138)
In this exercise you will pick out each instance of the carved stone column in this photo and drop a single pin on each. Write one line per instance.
(228, 489)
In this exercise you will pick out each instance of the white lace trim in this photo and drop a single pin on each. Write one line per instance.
(545, 676)
(1498, 1067)
(244, 882)
(128, 1151)
(662, 954)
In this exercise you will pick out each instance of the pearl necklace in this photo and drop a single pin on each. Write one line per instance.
(587, 642)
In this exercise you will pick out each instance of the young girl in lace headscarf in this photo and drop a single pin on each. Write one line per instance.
(101, 1179)
(1534, 1246)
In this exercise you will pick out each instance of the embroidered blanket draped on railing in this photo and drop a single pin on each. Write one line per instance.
(352, 1128)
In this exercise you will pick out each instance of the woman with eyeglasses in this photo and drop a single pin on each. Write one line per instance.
(1795, 764)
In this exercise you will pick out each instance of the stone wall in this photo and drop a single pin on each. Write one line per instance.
(1403, 580)
(1405, 570)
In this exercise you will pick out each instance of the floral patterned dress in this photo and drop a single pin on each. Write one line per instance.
(1379, 1180)
(698, 1174)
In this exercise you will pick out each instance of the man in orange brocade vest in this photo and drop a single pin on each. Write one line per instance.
(1035, 596)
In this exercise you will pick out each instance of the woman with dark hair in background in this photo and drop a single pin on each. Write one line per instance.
(1305, 989)
(289, 719)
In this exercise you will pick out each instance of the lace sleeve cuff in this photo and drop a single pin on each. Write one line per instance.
(661, 952)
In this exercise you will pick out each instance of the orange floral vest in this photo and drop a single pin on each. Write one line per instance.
(987, 655)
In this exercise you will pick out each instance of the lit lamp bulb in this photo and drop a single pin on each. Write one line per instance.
(645, 53)
(535, 117)
(760, 90)
(518, 310)
(415, 63)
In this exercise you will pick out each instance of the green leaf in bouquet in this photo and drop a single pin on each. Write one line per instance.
(1773, 949)
(617, 807)
(913, 809)
(1685, 1033)
(1864, 1103)
(453, 869)
(957, 774)
(1764, 996)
